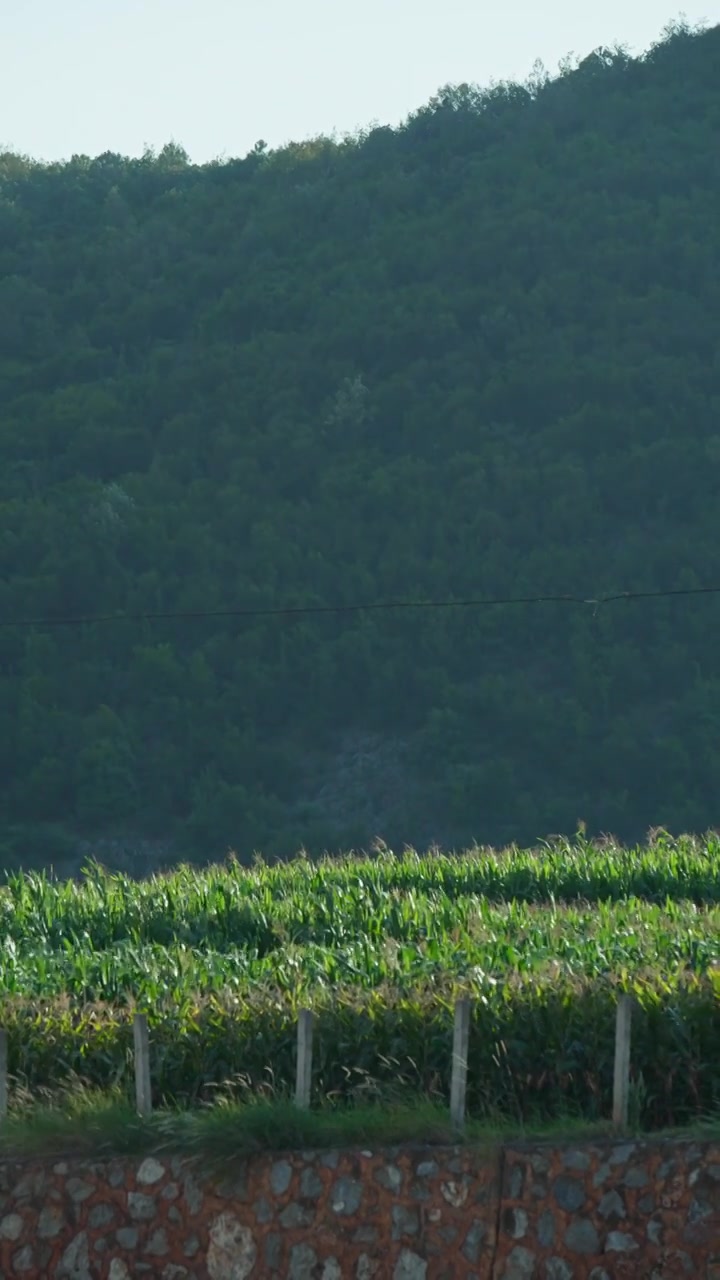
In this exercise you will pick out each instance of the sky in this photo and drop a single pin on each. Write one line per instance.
(216, 76)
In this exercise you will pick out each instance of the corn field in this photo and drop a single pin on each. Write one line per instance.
(380, 947)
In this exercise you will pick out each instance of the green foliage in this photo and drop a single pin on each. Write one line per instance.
(472, 356)
(221, 960)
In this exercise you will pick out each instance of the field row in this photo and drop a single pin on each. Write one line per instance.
(332, 901)
(380, 947)
(540, 1046)
(426, 941)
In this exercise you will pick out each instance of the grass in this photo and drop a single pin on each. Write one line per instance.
(89, 1124)
(97, 1124)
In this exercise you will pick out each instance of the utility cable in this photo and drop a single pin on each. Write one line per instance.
(293, 611)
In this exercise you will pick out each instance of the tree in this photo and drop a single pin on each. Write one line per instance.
(472, 357)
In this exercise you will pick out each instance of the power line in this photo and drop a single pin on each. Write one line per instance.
(292, 611)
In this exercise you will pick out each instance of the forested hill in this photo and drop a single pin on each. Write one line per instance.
(474, 356)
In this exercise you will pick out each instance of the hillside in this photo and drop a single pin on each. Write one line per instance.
(475, 356)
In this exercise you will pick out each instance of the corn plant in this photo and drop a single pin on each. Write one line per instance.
(220, 959)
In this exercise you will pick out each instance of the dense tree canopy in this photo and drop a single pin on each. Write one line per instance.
(474, 356)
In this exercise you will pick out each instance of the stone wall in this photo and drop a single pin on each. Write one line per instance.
(619, 1210)
(593, 1212)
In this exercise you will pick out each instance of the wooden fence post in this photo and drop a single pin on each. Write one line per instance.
(303, 1079)
(143, 1090)
(3, 1074)
(621, 1080)
(458, 1076)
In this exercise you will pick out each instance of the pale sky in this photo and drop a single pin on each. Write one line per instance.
(87, 76)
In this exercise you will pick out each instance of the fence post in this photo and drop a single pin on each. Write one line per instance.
(458, 1077)
(3, 1074)
(621, 1081)
(303, 1079)
(143, 1091)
